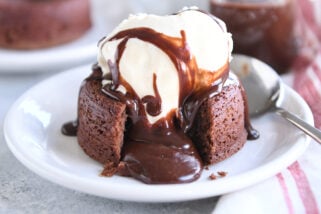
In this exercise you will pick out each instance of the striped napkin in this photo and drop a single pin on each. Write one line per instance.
(297, 189)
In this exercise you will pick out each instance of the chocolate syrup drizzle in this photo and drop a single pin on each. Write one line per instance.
(162, 152)
(164, 142)
(190, 76)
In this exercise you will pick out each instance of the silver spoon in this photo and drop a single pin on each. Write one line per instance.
(263, 86)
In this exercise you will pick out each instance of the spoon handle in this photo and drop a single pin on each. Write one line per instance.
(301, 124)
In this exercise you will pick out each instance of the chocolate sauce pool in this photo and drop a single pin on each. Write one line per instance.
(162, 152)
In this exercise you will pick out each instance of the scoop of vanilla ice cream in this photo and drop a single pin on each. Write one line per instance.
(206, 37)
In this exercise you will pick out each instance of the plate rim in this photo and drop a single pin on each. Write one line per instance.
(73, 182)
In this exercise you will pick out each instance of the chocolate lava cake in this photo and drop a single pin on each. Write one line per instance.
(151, 110)
(219, 130)
(32, 24)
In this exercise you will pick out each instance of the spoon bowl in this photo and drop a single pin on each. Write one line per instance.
(263, 87)
(261, 83)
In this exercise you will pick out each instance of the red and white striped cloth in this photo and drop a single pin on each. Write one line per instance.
(307, 80)
(297, 189)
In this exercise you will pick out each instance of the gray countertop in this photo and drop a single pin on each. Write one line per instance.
(22, 191)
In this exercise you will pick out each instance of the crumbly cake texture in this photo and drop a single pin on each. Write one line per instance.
(218, 131)
(31, 24)
(101, 126)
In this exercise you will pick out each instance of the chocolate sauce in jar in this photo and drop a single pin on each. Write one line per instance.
(272, 31)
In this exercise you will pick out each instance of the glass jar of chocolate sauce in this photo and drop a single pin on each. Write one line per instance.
(271, 30)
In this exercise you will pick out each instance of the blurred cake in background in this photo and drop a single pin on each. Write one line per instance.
(33, 24)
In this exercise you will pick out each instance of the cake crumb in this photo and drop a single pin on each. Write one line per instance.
(212, 176)
(109, 169)
(218, 174)
(222, 173)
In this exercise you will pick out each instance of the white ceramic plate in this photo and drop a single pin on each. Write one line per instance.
(32, 131)
(105, 16)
